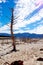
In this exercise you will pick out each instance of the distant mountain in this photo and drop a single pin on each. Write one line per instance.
(4, 34)
(23, 35)
(28, 35)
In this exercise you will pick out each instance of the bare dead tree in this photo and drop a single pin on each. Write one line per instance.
(12, 22)
(12, 35)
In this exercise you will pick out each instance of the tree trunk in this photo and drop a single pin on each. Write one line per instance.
(12, 35)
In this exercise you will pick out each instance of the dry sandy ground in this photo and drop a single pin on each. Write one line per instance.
(26, 52)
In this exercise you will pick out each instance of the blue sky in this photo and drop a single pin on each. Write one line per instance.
(6, 12)
(29, 15)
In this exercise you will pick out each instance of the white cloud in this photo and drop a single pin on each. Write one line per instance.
(22, 10)
(38, 30)
(39, 2)
(5, 29)
(41, 13)
(2, 1)
(22, 23)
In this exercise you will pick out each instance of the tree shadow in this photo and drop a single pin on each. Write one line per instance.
(9, 52)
